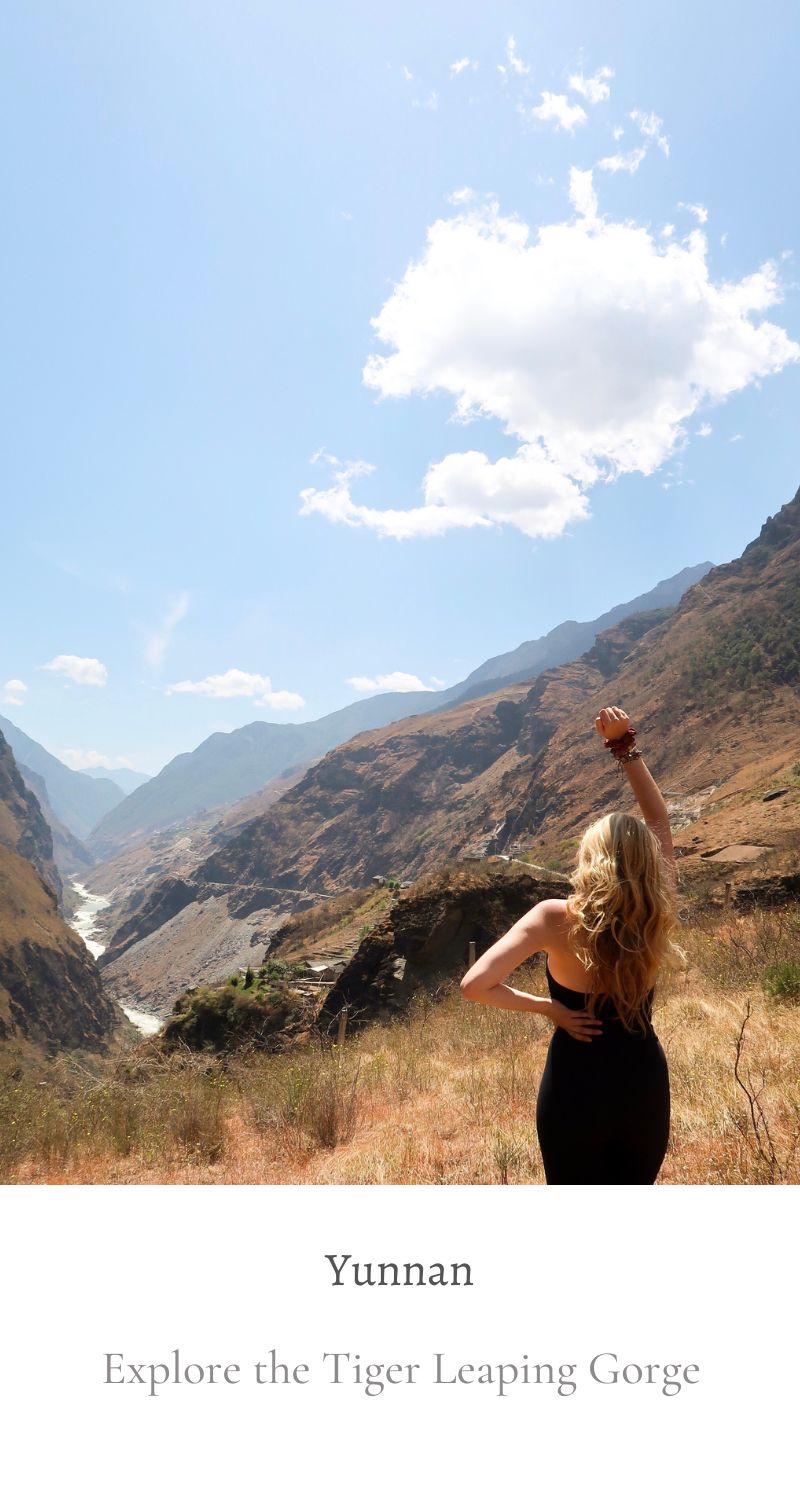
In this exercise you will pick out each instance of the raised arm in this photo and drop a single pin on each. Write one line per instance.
(611, 724)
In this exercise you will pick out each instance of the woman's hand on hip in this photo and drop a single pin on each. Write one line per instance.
(578, 1023)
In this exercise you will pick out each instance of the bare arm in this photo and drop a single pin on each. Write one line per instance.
(611, 723)
(485, 981)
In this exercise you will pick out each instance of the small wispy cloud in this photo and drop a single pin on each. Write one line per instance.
(704, 430)
(238, 684)
(652, 128)
(158, 640)
(513, 62)
(14, 692)
(698, 209)
(596, 88)
(737, 437)
(461, 66)
(431, 102)
(389, 682)
(623, 161)
(86, 670)
(461, 195)
(582, 195)
(557, 109)
(90, 760)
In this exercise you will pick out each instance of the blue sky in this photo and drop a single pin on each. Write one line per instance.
(206, 205)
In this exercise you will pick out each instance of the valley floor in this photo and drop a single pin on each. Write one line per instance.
(446, 1095)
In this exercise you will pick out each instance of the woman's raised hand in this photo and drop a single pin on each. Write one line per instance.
(579, 1023)
(611, 723)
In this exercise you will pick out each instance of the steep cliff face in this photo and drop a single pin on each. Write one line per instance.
(23, 826)
(71, 857)
(50, 990)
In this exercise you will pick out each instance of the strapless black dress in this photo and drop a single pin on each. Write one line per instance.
(602, 1115)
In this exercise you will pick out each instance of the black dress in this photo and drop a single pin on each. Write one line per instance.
(602, 1114)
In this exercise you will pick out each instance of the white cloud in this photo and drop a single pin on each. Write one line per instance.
(14, 692)
(407, 74)
(461, 195)
(704, 430)
(237, 684)
(513, 62)
(389, 682)
(438, 682)
(461, 65)
(596, 88)
(698, 209)
(86, 670)
(652, 128)
(432, 101)
(667, 231)
(618, 132)
(624, 161)
(591, 343)
(557, 107)
(158, 640)
(86, 760)
(582, 195)
(737, 437)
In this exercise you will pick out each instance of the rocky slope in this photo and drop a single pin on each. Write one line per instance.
(23, 827)
(51, 995)
(712, 686)
(421, 939)
(228, 767)
(70, 855)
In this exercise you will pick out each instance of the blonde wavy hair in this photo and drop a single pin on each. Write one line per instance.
(624, 908)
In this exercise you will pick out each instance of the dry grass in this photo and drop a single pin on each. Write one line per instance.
(447, 1095)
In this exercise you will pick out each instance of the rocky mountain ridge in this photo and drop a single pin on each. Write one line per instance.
(227, 767)
(712, 685)
(51, 994)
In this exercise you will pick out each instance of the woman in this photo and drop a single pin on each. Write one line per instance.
(602, 1114)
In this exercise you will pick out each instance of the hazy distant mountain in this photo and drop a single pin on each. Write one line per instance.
(226, 767)
(70, 854)
(125, 779)
(78, 800)
(568, 641)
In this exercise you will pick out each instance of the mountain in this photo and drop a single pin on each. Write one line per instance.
(51, 994)
(713, 686)
(227, 767)
(571, 639)
(77, 799)
(70, 855)
(23, 826)
(125, 779)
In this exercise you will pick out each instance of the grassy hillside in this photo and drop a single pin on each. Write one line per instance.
(446, 1094)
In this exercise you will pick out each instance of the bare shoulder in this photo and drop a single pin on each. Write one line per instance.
(551, 920)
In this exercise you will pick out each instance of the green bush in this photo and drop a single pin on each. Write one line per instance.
(221, 1020)
(782, 981)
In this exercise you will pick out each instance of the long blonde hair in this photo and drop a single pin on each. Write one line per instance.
(624, 910)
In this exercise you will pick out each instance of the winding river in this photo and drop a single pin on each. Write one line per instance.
(84, 922)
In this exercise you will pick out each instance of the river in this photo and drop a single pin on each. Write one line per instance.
(84, 922)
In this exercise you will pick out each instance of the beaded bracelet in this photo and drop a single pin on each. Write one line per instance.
(623, 748)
